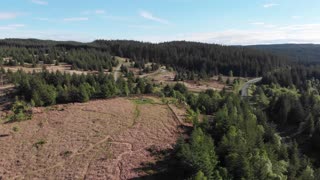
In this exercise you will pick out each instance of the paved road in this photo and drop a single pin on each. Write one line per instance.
(245, 87)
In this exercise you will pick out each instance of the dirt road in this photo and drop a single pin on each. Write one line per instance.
(245, 87)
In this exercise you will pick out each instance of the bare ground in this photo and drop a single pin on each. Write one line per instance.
(64, 68)
(167, 77)
(103, 139)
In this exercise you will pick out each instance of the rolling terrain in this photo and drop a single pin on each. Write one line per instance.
(103, 139)
(297, 52)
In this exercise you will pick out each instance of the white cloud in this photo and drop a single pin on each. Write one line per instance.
(40, 2)
(99, 11)
(76, 19)
(42, 19)
(262, 24)
(7, 15)
(117, 18)
(301, 33)
(144, 27)
(269, 5)
(51, 34)
(257, 23)
(149, 16)
(296, 17)
(12, 26)
(269, 26)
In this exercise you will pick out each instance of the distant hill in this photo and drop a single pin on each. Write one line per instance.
(190, 59)
(297, 52)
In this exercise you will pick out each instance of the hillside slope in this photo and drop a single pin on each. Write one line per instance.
(103, 139)
(297, 52)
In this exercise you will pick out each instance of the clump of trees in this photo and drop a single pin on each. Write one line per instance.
(45, 88)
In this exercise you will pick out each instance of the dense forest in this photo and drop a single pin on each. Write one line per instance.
(79, 58)
(309, 53)
(203, 59)
(272, 134)
(239, 141)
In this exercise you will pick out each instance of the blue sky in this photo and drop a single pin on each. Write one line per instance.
(231, 22)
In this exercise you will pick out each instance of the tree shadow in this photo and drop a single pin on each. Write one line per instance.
(167, 165)
(164, 168)
(4, 135)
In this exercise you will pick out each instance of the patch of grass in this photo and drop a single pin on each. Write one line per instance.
(192, 116)
(15, 129)
(66, 153)
(169, 100)
(237, 86)
(252, 89)
(143, 101)
(39, 144)
(136, 112)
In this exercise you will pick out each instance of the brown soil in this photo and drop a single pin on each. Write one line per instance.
(64, 68)
(103, 139)
(166, 77)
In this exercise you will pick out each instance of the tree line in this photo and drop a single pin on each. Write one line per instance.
(195, 59)
(238, 142)
(48, 88)
(79, 57)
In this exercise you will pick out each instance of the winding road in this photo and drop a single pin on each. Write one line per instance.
(245, 87)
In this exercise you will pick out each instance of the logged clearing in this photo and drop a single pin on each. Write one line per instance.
(64, 68)
(103, 139)
(164, 76)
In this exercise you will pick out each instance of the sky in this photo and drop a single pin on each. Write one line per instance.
(228, 22)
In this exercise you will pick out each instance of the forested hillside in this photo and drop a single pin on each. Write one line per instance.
(299, 52)
(205, 59)
(272, 134)
(186, 57)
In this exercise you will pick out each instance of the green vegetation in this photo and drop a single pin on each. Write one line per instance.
(45, 89)
(140, 101)
(66, 153)
(308, 53)
(21, 111)
(237, 85)
(39, 144)
(15, 129)
(78, 56)
(191, 60)
(274, 134)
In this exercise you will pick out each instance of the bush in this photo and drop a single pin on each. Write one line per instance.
(21, 111)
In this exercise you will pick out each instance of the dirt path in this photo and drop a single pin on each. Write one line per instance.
(118, 159)
(61, 163)
(159, 71)
(117, 70)
(245, 87)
